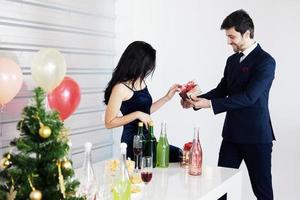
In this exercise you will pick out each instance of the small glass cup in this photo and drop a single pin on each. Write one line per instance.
(147, 169)
(184, 159)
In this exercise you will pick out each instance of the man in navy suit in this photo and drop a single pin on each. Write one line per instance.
(243, 93)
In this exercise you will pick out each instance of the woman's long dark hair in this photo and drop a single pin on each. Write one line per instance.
(137, 61)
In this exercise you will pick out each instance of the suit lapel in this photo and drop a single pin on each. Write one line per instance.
(251, 55)
(237, 65)
(234, 69)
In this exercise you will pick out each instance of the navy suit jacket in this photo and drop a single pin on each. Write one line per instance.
(244, 94)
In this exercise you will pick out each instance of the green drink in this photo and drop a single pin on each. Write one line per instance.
(163, 148)
(122, 185)
(122, 190)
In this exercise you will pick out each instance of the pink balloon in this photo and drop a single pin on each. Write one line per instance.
(65, 97)
(10, 80)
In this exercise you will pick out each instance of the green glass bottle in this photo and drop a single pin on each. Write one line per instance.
(150, 146)
(163, 148)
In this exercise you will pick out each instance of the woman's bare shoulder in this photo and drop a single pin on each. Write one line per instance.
(120, 87)
(122, 91)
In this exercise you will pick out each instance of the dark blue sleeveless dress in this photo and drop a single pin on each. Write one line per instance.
(140, 101)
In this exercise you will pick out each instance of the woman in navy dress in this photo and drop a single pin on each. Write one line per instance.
(127, 92)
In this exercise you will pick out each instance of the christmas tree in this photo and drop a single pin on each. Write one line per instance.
(39, 168)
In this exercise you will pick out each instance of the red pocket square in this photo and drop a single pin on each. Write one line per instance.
(245, 69)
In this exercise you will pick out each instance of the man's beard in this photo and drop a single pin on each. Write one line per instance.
(235, 48)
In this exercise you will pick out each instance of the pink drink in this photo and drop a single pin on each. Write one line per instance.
(195, 167)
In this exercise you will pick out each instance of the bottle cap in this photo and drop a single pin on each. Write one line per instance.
(88, 146)
(123, 147)
(140, 124)
(164, 122)
(151, 123)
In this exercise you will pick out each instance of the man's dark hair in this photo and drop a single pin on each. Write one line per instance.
(241, 21)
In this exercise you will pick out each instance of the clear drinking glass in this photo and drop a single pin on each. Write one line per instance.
(146, 169)
(137, 150)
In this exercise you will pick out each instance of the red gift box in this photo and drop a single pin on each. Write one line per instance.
(189, 90)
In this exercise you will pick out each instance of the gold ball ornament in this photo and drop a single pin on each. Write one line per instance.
(35, 195)
(5, 163)
(8, 156)
(45, 132)
(66, 164)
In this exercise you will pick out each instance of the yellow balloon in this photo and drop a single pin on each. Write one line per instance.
(48, 68)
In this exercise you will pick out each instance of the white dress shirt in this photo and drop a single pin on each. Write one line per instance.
(246, 53)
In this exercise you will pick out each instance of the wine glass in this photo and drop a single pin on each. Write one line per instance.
(137, 150)
(147, 168)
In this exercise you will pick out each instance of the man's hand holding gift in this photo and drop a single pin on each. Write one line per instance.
(199, 102)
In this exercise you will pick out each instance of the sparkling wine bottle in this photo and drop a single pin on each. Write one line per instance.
(195, 160)
(150, 146)
(141, 133)
(140, 128)
(88, 182)
(122, 186)
(163, 148)
(143, 138)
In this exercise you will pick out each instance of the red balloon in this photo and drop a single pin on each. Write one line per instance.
(65, 97)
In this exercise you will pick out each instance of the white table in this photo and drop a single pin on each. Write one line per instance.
(175, 183)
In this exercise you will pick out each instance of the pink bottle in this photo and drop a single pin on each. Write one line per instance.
(195, 160)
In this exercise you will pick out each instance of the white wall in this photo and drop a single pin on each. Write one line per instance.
(190, 45)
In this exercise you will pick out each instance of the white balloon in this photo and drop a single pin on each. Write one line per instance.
(48, 68)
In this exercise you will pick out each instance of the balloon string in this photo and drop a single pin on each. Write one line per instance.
(2, 106)
(46, 103)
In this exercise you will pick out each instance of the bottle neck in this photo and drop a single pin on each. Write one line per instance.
(163, 131)
(87, 166)
(151, 131)
(196, 133)
(87, 158)
(140, 130)
(123, 157)
(124, 171)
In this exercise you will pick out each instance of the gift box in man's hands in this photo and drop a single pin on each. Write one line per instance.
(190, 90)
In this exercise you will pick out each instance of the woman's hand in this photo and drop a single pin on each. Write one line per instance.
(144, 117)
(170, 94)
(172, 91)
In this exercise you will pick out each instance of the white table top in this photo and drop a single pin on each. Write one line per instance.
(175, 183)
